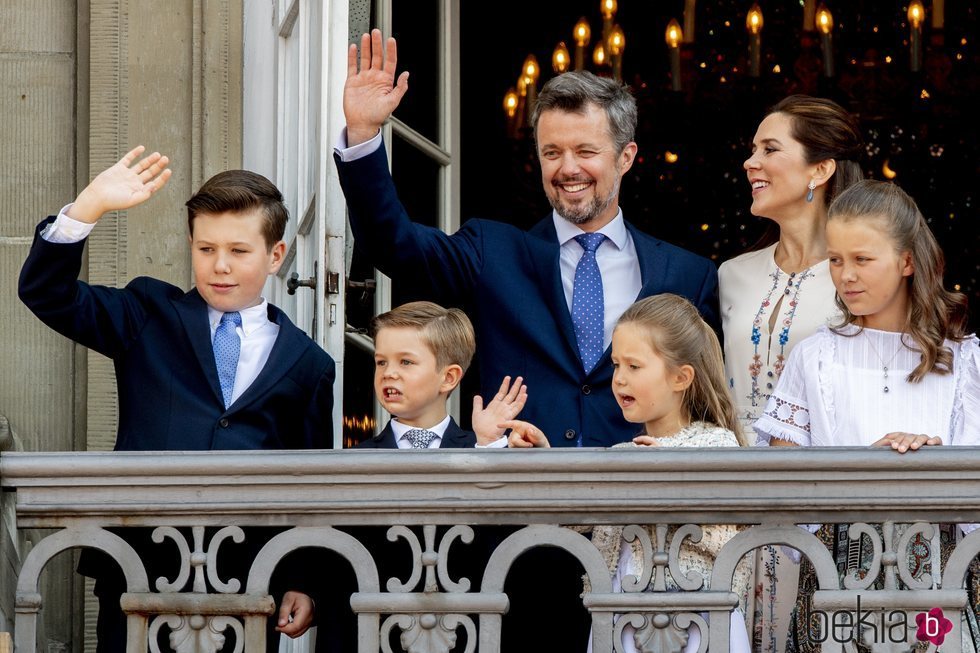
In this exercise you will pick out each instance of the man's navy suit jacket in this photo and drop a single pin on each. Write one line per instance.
(509, 281)
(159, 339)
(453, 438)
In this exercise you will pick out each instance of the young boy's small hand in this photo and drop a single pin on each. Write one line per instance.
(505, 405)
(902, 442)
(299, 606)
(524, 435)
(122, 186)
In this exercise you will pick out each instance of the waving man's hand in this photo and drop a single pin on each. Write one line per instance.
(371, 94)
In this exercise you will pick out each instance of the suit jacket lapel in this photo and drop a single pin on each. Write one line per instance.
(193, 313)
(653, 267)
(546, 253)
(383, 440)
(457, 438)
(288, 348)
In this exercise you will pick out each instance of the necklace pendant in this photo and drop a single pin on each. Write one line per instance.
(886, 389)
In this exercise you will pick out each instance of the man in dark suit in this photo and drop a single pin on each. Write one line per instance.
(214, 368)
(544, 302)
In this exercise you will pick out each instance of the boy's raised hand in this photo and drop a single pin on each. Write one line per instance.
(524, 435)
(122, 186)
(371, 94)
(505, 405)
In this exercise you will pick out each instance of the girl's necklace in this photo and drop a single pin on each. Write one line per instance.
(884, 365)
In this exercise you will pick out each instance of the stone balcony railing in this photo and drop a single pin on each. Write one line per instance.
(308, 494)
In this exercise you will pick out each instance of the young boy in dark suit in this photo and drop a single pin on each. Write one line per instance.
(421, 351)
(214, 368)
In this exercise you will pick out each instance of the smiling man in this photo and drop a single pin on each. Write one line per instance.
(543, 302)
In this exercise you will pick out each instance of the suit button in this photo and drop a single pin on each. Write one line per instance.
(586, 389)
(223, 422)
(570, 434)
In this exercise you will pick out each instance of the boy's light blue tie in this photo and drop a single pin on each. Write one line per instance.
(588, 304)
(227, 347)
(420, 438)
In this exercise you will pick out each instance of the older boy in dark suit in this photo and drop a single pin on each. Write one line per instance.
(214, 368)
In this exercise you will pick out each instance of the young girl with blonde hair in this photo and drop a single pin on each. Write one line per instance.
(669, 376)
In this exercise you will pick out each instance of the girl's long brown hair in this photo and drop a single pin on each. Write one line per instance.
(935, 314)
(681, 337)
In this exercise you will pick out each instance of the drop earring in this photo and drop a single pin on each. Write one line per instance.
(809, 190)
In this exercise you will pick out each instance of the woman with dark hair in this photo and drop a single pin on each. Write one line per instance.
(805, 152)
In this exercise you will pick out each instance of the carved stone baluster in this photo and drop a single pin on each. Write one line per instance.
(429, 631)
(197, 633)
(661, 632)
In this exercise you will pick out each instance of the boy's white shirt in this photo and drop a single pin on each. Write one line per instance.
(257, 333)
(399, 430)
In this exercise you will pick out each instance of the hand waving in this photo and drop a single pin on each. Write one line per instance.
(505, 405)
(371, 94)
(122, 186)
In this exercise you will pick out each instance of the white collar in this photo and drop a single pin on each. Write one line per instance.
(253, 318)
(399, 430)
(615, 230)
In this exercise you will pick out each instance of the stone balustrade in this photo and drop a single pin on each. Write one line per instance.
(201, 501)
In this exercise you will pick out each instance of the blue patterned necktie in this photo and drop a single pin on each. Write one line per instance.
(227, 347)
(420, 438)
(588, 304)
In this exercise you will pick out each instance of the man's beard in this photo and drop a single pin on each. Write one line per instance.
(583, 214)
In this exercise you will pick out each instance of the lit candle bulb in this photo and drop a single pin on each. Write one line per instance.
(510, 102)
(617, 44)
(674, 35)
(531, 71)
(582, 34)
(560, 59)
(522, 109)
(916, 15)
(753, 23)
(825, 25)
(608, 10)
(510, 109)
(599, 55)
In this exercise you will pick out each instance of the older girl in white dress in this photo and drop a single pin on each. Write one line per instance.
(900, 370)
(668, 376)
